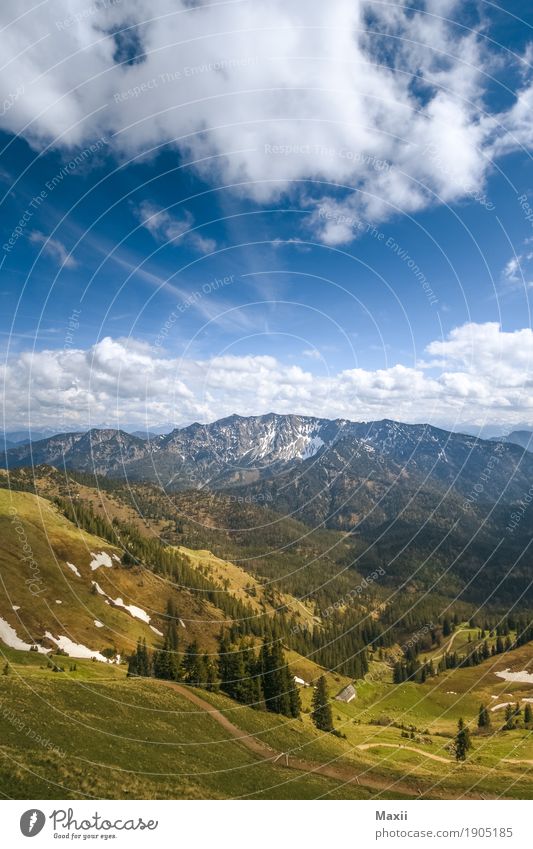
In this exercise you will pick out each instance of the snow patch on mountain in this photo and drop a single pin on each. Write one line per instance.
(101, 559)
(75, 649)
(133, 610)
(9, 636)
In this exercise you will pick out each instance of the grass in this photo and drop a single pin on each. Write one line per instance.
(81, 737)
(52, 541)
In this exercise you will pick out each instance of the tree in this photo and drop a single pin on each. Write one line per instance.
(140, 662)
(321, 713)
(483, 718)
(463, 742)
(510, 718)
(193, 666)
(528, 714)
(279, 688)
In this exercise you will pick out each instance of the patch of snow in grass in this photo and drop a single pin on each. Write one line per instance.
(98, 623)
(116, 557)
(101, 559)
(9, 636)
(16, 607)
(523, 677)
(156, 631)
(182, 623)
(75, 649)
(58, 601)
(136, 612)
(73, 569)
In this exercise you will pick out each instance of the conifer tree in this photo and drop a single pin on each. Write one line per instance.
(193, 665)
(509, 718)
(528, 714)
(483, 718)
(462, 741)
(321, 714)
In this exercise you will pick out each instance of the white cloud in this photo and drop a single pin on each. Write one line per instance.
(53, 248)
(478, 373)
(266, 93)
(170, 228)
(516, 272)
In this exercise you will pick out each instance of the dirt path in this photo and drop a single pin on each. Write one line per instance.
(337, 772)
(407, 749)
(449, 644)
(512, 761)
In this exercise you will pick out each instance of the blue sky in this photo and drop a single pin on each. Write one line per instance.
(324, 211)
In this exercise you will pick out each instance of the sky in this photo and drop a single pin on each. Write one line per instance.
(254, 206)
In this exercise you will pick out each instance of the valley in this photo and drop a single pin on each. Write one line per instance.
(162, 643)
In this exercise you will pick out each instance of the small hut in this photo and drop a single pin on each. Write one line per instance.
(348, 694)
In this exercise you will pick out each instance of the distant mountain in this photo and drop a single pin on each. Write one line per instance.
(102, 451)
(333, 471)
(23, 436)
(523, 438)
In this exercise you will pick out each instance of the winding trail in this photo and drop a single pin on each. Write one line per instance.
(407, 749)
(338, 772)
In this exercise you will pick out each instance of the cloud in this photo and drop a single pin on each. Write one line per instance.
(54, 248)
(169, 228)
(387, 102)
(516, 272)
(478, 373)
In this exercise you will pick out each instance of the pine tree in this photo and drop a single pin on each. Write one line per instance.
(483, 718)
(193, 666)
(509, 718)
(321, 714)
(140, 662)
(462, 741)
(528, 714)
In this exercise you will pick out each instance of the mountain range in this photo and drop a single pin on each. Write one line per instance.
(337, 472)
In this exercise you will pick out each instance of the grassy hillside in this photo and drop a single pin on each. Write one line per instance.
(74, 735)
(95, 733)
(51, 596)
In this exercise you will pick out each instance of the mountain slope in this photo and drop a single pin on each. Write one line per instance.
(64, 587)
(239, 451)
